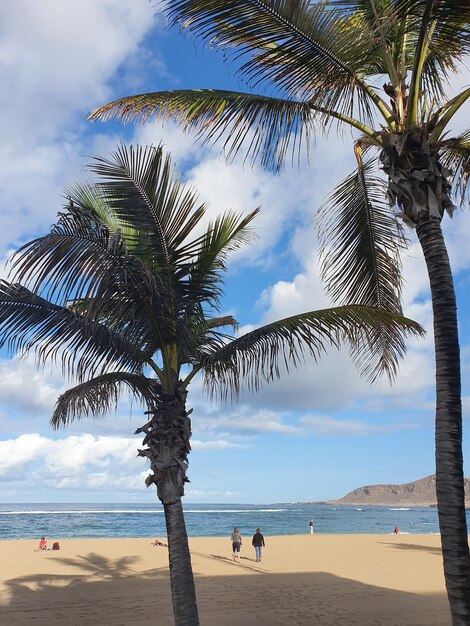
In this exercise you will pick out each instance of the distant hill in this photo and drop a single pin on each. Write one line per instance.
(418, 493)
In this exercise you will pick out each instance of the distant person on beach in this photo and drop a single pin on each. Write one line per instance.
(42, 545)
(258, 542)
(310, 524)
(157, 542)
(396, 531)
(236, 540)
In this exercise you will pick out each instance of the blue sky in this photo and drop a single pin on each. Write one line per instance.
(314, 435)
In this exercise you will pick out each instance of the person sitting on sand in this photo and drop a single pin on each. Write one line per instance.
(157, 542)
(42, 545)
(236, 540)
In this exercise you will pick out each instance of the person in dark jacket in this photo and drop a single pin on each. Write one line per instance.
(258, 542)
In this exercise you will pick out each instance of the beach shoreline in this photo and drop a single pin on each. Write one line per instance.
(372, 580)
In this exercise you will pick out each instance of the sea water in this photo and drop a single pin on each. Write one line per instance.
(208, 520)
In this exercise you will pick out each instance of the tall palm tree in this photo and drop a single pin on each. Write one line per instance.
(381, 68)
(125, 291)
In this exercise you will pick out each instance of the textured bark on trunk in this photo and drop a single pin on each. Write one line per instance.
(183, 591)
(167, 436)
(449, 458)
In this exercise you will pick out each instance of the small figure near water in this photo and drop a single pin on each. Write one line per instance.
(157, 542)
(310, 524)
(258, 542)
(396, 531)
(42, 545)
(236, 540)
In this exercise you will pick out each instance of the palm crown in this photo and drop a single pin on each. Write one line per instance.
(124, 283)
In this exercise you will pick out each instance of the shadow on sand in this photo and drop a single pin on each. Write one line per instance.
(104, 592)
(413, 547)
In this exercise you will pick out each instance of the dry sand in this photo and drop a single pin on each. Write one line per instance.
(326, 580)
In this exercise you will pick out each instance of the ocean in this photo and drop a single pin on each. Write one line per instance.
(65, 521)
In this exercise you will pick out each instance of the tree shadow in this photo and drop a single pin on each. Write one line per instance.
(107, 592)
(413, 547)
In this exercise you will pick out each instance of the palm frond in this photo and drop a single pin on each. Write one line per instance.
(142, 192)
(220, 322)
(295, 45)
(450, 20)
(442, 31)
(227, 233)
(360, 240)
(81, 263)
(98, 396)
(31, 323)
(258, 356)
(455, 156)
(269, 127)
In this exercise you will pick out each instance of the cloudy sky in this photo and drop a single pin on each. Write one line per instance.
(316, 434)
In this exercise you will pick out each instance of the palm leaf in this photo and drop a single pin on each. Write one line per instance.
(227, 233)
(100, 395)
(82, 262)
(29, 322)
(295, 45)
(141, 191)
(455, 156)
(269, 127)
(257, 357)
(360, 240)
(450, 19)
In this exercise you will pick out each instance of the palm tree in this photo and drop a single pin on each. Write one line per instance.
(324, 62)
(125, 292)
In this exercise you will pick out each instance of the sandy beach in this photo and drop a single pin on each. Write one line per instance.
(327, 580)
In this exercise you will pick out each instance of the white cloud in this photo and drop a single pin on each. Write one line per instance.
(211, 493)
(328, 427)
(216, 444)
(81, 461)
(29, 390)
(51, 76)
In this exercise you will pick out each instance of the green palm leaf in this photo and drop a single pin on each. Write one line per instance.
(81, 263)
(272, 128)
(28, 322)
(286, 342)
(360, 240)
(142, 193)
(227, 233)
(455, 156)
(269, 127)
(295, 45)
(100, 395)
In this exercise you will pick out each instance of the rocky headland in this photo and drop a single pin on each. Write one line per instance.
(417, 493)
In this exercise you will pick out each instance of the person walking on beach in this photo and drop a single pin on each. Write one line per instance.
(236, 540)
(310, 524)
(258, 542)
(396, 531)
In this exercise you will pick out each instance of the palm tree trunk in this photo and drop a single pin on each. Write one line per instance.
(167, 436)
(449, 459)
(183, 592)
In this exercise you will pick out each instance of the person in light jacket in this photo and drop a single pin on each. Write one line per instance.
(236, 540)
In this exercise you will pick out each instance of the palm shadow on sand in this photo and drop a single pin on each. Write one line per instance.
(109, 592)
